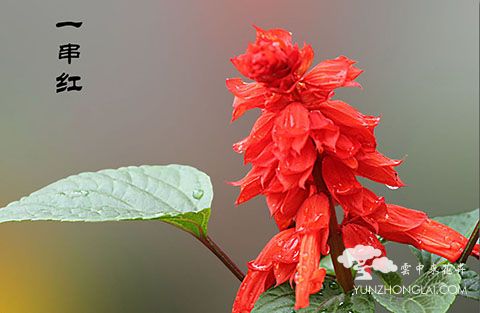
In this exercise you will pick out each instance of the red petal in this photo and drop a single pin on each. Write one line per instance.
(306, 56)
(364, 135)
(295, 170)
(250, 186)
(415, 228)
(382, 174)
(291, 128)
(254, 284)
(283, 272)
(283, 247)
(263, 158)
(275, 34)
(309, 274)
(377, 159)
(354, 234)
(247, 96)
(342, 184)
(399, 219)
(297, 163)
(374, 208)
(331, 74)
(346, 148)
(342, 113)
(284, 206)
(323, 131)
(314, 214)
(259, 138)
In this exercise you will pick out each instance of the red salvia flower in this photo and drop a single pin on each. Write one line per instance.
(275, 265)
(301, 128)
(292, 255)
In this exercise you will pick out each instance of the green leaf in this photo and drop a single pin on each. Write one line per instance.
(390, 279)
(464, 223)
(425, 258)
(470, 283)
(281, 299)
(327, 264)
(176, 194)
(439, 290)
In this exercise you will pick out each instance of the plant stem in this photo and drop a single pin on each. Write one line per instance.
(343, 274)
(470, 245)
(226, 260)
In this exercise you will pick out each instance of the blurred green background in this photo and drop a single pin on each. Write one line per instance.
(153, 74)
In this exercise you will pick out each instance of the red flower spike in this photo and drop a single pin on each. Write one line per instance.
(301, 128)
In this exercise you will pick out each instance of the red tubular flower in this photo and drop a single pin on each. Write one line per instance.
(312, 223)
(276, 263)
(293, 254)
(302, 130)
(415, 228)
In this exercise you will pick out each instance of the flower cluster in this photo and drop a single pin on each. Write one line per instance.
(306, 150)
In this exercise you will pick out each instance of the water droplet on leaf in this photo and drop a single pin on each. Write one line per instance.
(198, 194)
(79, 193)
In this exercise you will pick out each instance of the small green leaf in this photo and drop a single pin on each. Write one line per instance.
(425, 258)
(432, 292)
(470, 283)
(281, 299)
(327, 264)
(464, 223)
(390, 279)
(176, 194)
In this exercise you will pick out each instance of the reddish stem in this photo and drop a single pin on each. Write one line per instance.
(344, 275)
(226, 260)
(470, 245)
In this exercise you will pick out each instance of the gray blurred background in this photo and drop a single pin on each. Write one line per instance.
(153, 74)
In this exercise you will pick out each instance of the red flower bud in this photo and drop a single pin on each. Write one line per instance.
(270, 59)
